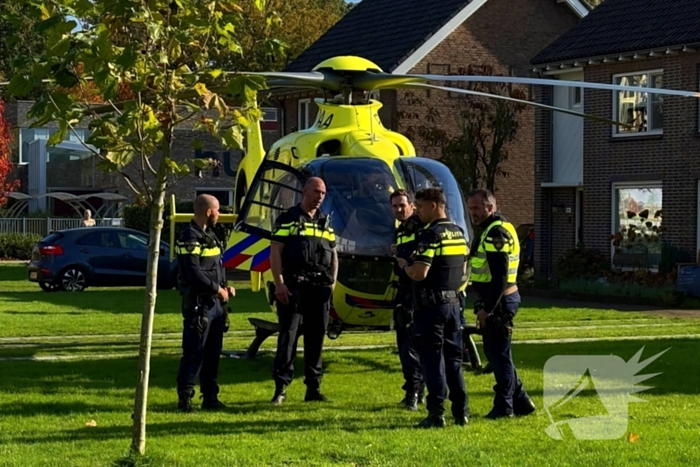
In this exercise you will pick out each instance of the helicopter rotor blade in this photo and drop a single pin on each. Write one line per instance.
(555, 82)
(372, 80)
(321, 79)
(314, 76)
(512, 99)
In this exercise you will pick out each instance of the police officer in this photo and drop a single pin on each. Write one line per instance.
(404, 246)
(304, 265)
(494, 267)
(439, 270)
(202, 283)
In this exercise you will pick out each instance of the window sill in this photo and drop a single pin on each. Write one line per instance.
(638, 137)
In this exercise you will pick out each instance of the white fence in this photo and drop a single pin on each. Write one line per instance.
(42, 226)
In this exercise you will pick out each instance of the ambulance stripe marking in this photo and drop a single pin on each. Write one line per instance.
(240, 247)
(260, 258)
(237, 261)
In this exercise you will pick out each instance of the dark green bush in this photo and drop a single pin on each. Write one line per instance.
(581, 263)
(670, 256)
(138, 218)
(17, 246)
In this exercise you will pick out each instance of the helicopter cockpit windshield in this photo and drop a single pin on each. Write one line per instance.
(357, 201)
(357, 197)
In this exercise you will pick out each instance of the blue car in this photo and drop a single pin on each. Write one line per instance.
(74, 259)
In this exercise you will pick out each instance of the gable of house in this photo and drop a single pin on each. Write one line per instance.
(395, 35)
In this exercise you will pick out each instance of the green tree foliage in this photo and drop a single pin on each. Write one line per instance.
(163, 51)
(273, 37)
(18, 37)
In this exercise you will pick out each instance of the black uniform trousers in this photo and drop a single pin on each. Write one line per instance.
(307, 314)
(497, 346)
(439, 333)
(407, 344)
(201, 351)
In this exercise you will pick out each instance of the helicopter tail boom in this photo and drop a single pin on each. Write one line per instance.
(183, 217)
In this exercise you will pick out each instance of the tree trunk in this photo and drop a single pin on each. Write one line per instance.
(138, 442)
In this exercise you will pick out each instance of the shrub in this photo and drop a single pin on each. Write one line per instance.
(581, 263)
(137, 217)
(617, 289)
(671, 256)
(17, 246)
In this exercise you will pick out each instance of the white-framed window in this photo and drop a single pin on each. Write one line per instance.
(303, 114)
(575, 98)
(637, 225)
(27, 135)
(224, 195)
(642, 110)
(269, 114)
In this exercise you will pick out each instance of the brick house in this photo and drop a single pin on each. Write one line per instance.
(591, 177)
(442, 37)
(70, 168)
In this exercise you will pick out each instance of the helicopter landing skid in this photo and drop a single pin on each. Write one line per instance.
(470, 346)
(263, 330)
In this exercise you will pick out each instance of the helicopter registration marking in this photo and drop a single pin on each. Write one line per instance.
(249, 253)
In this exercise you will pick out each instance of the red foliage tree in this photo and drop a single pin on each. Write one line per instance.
(5, 153)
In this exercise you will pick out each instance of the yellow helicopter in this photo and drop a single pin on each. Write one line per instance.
(361, 162)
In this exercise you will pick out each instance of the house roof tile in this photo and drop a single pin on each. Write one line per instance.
(385, 32)
(624, 26)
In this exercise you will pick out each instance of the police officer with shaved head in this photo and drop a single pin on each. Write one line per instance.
(438, 272)
(204, 290)
(494, 268)
(304, 265)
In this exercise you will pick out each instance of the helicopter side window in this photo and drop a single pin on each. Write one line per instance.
(276, 190)
(421, 172)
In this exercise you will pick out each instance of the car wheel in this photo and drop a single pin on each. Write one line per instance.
(73, 280)
(49, 287)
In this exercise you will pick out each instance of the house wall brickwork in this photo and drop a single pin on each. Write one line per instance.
(543, 200)
(503, 34)
(672, 158)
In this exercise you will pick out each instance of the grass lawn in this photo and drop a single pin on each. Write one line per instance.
(45, 405)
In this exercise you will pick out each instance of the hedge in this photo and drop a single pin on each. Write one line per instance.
(138, 218)
(16, 246)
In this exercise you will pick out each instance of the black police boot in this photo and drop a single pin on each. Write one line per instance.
(410, 401)
(432, 421)
(421, 397)
(522, 408)
(184, 403)
(461, 420)
(280, 394)
(212, 403)
(314, 395)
